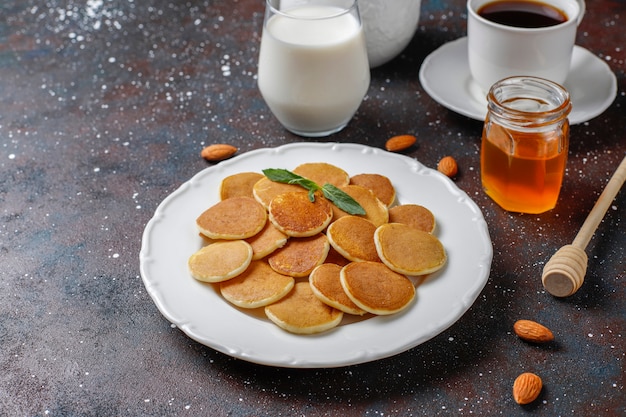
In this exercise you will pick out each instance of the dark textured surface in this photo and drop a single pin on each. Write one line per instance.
(104, 107)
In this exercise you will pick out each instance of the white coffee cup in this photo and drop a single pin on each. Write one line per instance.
(497, 51)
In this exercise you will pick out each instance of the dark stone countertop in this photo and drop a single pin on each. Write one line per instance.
(104, 108)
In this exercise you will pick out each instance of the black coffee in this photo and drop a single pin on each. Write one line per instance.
(523, 14)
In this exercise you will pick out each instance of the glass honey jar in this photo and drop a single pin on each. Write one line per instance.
(525, 142)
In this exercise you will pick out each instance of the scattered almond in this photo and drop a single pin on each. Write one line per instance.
(448, 166)
(400, 143)
(531, 331)
(526, 388)
(218, 152)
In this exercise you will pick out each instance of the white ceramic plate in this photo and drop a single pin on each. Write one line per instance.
(198, 310)
(445, 76)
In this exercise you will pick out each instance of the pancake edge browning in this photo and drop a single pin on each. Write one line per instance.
(377, 289)
(294, 214)
(212, 264)
(301, 312)
(232, 219)
(409, 251)
(259, 285)
(353, 238)
(329, 290)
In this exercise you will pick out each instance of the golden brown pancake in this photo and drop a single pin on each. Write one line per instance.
(265, 190)
(375, 210)
(353, 238)
(375, 288)
(220, 261)
(302, 312)
(234, 218)
(239, 185)
(322, 173)
(266, 241)
(326, 285)
(296, 215)
(300, 255)
(380, 185)
(258, 286)
(413, 215)
(407, 250)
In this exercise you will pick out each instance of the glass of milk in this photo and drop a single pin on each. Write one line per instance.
(313, 67)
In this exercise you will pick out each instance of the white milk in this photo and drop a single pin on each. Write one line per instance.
(313, 73)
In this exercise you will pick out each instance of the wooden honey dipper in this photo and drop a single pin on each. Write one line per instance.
(564, 273)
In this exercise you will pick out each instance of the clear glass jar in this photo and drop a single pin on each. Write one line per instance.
(525, 142)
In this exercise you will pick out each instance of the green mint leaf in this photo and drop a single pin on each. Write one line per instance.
(339, 198)
(342, 200)
(280, 175)
(288, 177)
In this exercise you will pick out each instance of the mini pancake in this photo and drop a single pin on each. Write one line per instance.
(407, 250)
(300, 255)
(375, 288)
(220, 261)
(266, 241)
(326, 285)
(302, 312)
(234, 218)
(258, 286)
(353, 238)
(413, 215)
(375, 210)
(296, 215)
(264, 190)
(380, 185)
(322, 173)
(239, 185)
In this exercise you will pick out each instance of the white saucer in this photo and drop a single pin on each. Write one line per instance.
(445, 75)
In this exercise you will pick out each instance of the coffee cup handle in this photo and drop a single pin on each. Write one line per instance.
(583, 8)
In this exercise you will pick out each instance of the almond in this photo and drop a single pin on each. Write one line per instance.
(400, 143)
(218, 152)
(532, 331)
(526, 388)
(448, 166)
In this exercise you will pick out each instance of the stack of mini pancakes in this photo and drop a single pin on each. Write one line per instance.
(307, 263)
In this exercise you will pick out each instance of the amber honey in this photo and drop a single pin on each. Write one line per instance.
(525, 143)
(523, 172)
